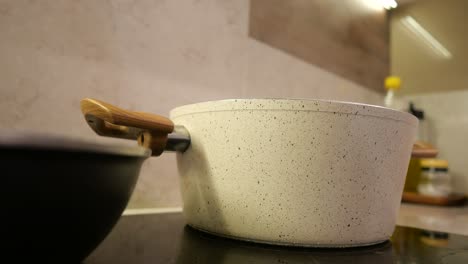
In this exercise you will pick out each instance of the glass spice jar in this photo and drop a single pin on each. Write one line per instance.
(434, 179)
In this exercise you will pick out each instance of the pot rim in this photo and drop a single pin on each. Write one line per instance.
(295, 104)
(27, 140)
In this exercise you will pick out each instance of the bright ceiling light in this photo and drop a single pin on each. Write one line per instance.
(379, 5)
(388, 4)
(425, 36)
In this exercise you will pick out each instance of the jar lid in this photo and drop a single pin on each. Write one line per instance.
(434, 163)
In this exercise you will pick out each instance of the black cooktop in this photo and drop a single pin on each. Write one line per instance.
(164, 238)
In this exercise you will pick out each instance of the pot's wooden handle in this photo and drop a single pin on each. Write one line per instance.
(150, 129)
(121, 117)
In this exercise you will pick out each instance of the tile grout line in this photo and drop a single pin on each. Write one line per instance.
(142, 211)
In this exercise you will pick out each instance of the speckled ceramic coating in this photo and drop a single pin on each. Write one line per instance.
(301, 172)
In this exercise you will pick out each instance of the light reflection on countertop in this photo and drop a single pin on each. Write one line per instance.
(165, 238)
(453, 219)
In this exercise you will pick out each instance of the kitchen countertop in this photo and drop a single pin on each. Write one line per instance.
(164, 238)
(446, 219)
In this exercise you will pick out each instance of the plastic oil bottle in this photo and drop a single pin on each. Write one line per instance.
(392, 100)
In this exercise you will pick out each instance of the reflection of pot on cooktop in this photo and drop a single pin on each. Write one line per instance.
(199, 247)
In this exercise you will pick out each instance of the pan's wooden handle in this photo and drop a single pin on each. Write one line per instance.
(150, 129)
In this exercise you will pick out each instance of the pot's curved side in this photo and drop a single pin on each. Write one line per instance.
(298, 177)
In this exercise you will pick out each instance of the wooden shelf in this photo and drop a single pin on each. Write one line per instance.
(453, 199)
(424, 150)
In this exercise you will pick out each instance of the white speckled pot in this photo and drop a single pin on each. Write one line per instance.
(295, 172)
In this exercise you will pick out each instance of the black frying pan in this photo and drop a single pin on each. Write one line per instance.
(61, 197)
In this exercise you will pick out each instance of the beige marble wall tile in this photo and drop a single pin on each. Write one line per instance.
(143, 55)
